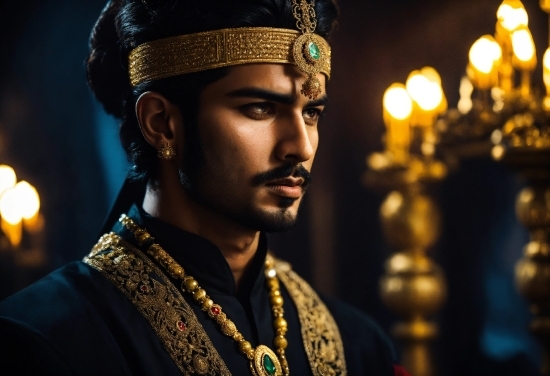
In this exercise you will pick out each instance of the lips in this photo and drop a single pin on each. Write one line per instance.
(290, 187)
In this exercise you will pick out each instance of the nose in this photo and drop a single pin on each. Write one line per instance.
(297, 141)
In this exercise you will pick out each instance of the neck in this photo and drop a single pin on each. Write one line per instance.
(174, 206)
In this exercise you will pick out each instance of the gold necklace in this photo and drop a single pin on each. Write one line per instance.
(263, 360)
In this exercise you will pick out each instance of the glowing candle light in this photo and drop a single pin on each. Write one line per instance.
(546, 78)
(7, 178)
(29, 203)
(11, 216)
(425, 90)
(434, 77)
(525, 58)
(485, 56)
(524, 49)
(397, 112)
(511, 14)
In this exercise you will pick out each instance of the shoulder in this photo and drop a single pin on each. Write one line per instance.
(366, 345)
(49, 325)
(62, 294)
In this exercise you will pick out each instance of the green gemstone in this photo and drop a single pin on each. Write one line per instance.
(269, 365)
(314, 51)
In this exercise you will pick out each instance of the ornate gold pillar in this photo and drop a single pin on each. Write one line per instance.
(413, 285)
(533, 211)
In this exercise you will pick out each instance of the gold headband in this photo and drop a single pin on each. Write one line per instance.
(190, 53)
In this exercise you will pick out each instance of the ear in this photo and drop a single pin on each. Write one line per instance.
(161, 122)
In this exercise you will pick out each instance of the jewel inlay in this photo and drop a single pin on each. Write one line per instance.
(314, 50)
(269, 365)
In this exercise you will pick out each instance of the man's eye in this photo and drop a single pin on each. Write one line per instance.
(259, 110)
(312, 114)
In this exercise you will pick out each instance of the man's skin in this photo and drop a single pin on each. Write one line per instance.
(251, 121)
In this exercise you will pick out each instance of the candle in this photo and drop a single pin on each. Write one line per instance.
(7, 178)
(11, 216)
(485, 56)
(397, 113)
(525, 58)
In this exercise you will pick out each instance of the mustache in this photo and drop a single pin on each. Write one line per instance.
(297, 171)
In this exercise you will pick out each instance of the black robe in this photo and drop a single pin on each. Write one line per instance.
(75, 321)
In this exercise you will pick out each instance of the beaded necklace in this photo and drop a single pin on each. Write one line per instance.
(262, 360)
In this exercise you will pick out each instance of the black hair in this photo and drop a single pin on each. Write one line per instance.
(125, 24)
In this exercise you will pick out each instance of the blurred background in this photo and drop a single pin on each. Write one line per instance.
(56, 137)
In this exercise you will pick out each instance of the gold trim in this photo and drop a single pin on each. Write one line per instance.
(160, 302)
(196, 52)
(163, 306)
(322, 340)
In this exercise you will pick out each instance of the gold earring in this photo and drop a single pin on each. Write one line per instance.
(166, 152)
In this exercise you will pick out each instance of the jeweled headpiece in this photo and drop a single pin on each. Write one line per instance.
(196, 52)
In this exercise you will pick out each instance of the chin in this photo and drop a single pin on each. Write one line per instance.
(271, 220)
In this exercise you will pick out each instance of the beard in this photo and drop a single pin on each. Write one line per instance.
(203, 182)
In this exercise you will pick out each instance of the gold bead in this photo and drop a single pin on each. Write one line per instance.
(245, 347)
(191, 284)
(273, 283)
(280, 323)
(237, 337)
(229, 328)
(276, 301)
(176, 270)
(199, 295)
(220, 318)
(280, 342)
(207, 304)
(143, 236)
(273, 293)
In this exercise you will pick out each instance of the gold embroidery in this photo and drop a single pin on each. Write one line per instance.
(176, 325)
(322, 341)
(160, 302)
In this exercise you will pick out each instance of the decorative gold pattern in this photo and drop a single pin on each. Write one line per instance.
(176, 325)
(322, 340)
(276, 365)
(160, 302)
(311, 64)
(189, 53)
(166, 152)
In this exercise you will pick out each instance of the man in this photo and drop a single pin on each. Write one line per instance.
(219, 102)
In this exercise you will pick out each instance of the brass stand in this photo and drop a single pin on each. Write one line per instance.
(533, 211)
(413, 286)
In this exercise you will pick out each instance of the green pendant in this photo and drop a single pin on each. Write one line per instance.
(314, 51)
(269, 365)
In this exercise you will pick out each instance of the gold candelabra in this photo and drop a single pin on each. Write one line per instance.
(414, 285)
(500, 113)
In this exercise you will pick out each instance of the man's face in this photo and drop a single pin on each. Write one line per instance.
(258, 137)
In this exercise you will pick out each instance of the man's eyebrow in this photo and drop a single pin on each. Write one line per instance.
(253, 92)
(318, 102)
(288, 99)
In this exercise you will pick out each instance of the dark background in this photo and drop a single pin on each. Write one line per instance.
(56, 136)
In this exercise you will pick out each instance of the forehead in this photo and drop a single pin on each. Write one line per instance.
(280, 78)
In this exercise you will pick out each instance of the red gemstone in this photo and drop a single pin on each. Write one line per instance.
(215, 310)
(181, 326)
(143, 288)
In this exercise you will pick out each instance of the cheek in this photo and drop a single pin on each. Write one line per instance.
(237, 143)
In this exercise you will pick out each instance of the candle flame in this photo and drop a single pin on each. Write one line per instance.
(7, 178)
(9, 207)
(29, 201)
(397, 102)
(426, 93)
(524, 48)
(485, 53)
(512, 14)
